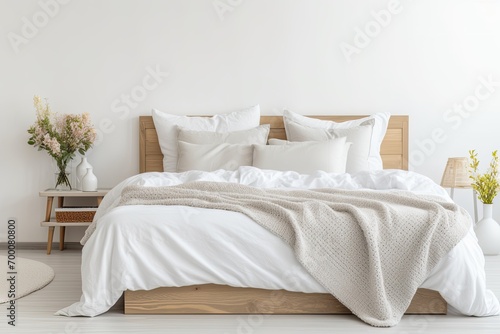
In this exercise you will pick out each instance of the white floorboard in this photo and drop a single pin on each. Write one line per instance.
(35, 312)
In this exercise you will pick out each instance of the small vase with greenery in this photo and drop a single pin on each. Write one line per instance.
(485, 185)
(61, 136)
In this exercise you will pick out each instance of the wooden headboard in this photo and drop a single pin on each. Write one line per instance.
(394, 150)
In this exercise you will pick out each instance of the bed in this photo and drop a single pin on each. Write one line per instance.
(221, 299)
(234, 296)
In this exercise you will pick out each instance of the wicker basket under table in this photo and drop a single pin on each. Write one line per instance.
(75, 215)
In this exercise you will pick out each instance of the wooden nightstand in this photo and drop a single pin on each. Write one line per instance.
(61, 194)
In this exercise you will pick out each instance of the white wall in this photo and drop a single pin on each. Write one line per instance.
(279, 53)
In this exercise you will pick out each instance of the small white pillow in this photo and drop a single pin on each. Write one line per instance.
(304, 158)
(347, 146)
(212, 157)
(360, 136)
(256, 135)
(378, 134)
(166, 128)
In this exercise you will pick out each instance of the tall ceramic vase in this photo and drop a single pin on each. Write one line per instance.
(488, 232)
(81, 170)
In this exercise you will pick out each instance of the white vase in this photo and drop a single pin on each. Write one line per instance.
(488, 232)
(81, 170)
(89, 181)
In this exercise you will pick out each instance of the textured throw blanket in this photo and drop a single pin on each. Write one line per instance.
(369, 249)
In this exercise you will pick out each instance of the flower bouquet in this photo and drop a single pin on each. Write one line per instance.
(61, 136)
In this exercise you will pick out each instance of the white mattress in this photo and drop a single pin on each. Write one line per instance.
(145, 247)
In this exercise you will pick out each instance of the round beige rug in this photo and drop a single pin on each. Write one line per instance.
(31, 276)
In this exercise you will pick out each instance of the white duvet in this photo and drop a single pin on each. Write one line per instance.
(145, 247)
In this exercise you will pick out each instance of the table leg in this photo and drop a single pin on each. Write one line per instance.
(49, 241)
(48, 209)
(62, 231)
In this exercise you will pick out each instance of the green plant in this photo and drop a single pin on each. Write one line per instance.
(486, 185)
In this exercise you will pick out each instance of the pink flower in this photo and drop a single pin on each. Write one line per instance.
(52, 144)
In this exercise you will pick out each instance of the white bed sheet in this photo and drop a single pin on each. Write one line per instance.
(145, 247)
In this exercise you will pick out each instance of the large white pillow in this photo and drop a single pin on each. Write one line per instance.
(304, 158)
(378, 134)
(212, 157)
(360, 136)
(256, 135)
(166, 128)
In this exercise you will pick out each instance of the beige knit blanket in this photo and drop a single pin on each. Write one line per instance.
(369, 249)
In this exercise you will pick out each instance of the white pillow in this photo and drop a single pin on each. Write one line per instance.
(360, 136)
(256, 135)
(347, 146)
(166, 128)
(212, 157)
(304, 158)
(378, 134)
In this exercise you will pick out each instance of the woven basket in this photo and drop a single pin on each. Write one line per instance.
(75, 215)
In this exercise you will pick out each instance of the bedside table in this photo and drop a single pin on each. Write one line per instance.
(61, 194)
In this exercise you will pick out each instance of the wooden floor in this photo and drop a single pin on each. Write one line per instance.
(35, 312)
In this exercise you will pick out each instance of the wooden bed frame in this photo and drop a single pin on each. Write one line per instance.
(221, 299)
